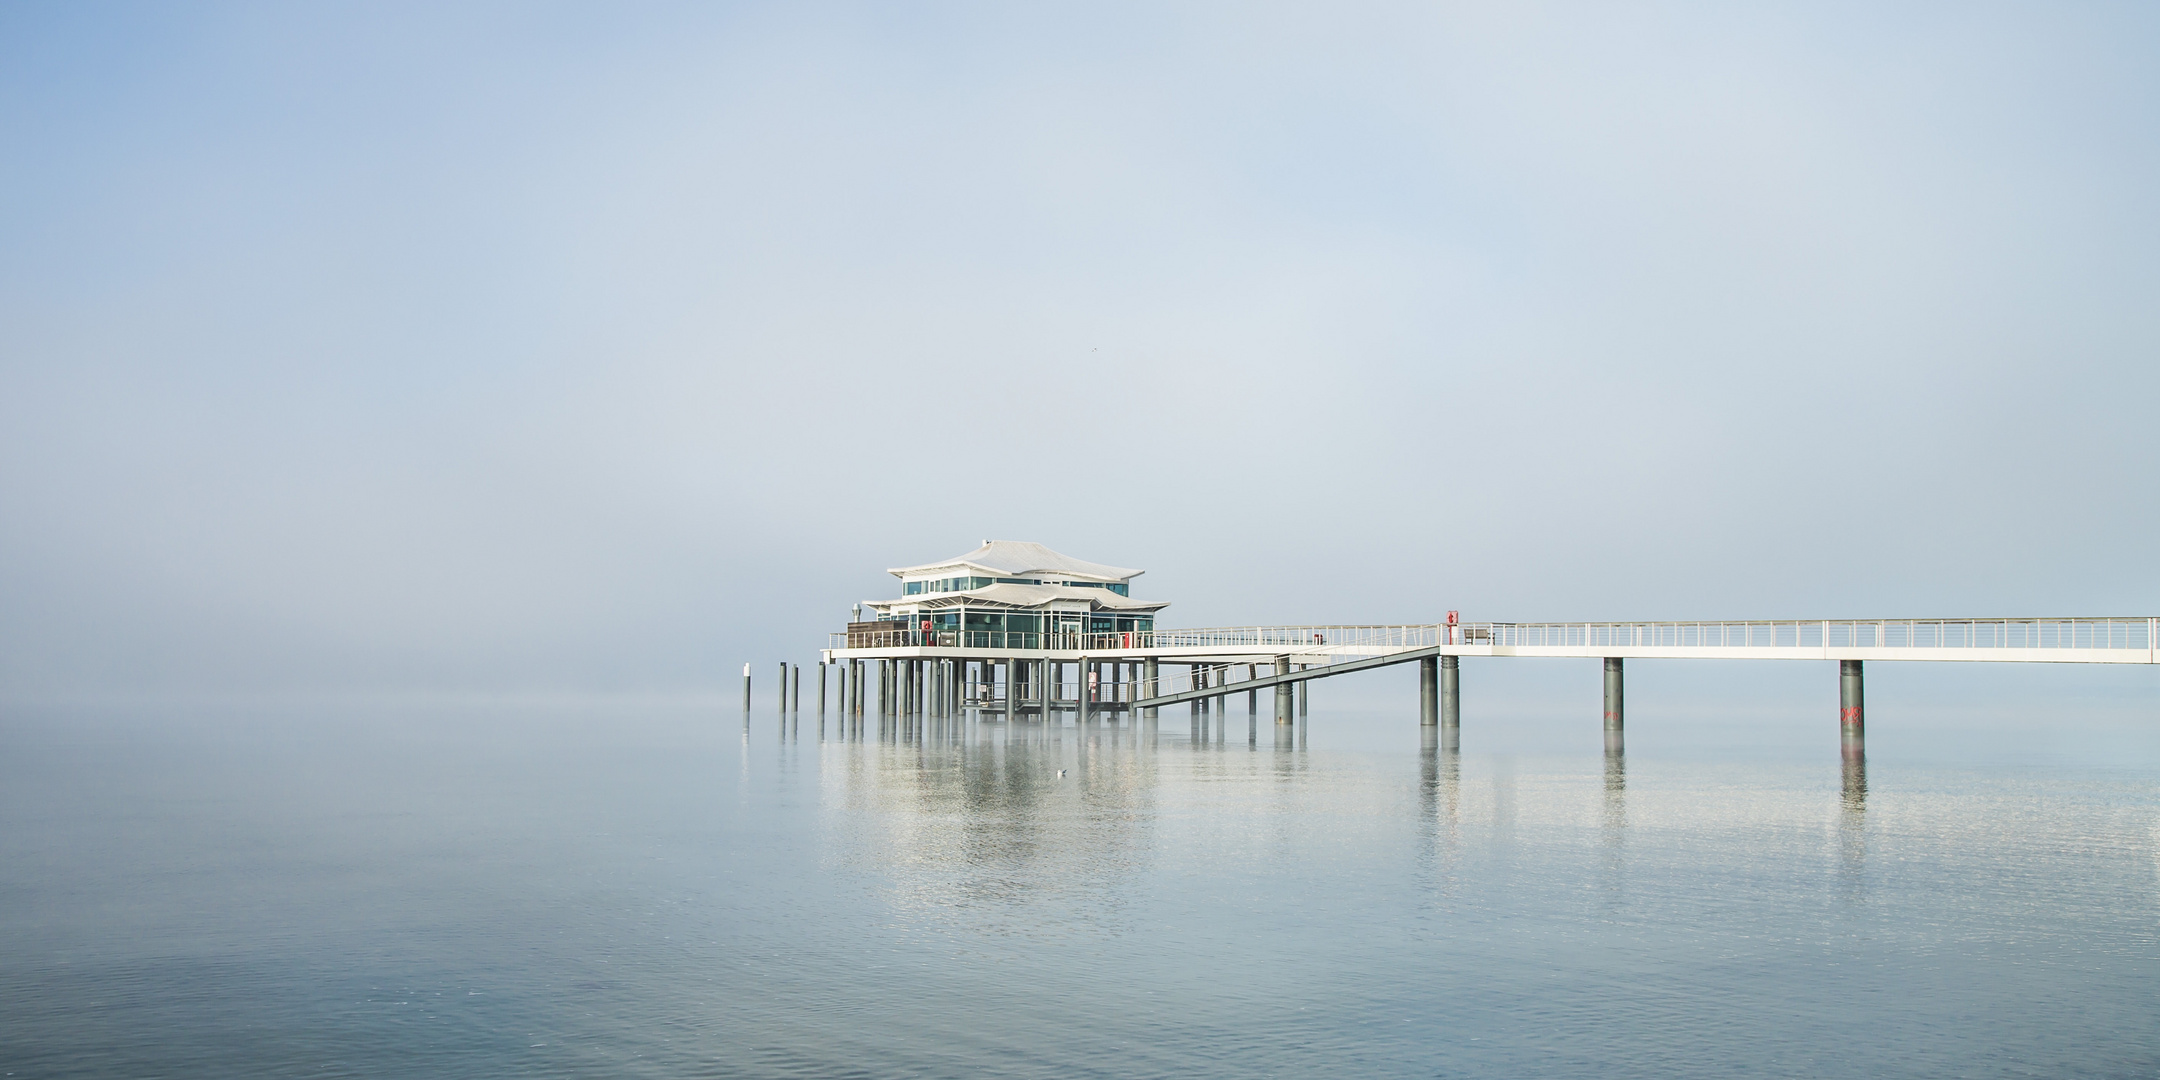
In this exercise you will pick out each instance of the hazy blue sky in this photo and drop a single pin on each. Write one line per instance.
(603, 347)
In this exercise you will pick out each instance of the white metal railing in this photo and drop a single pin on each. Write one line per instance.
(1321, 645)
(1234, 638)
(2129, 635)
(1335, 637)
(2098, 633)
(1019, 641)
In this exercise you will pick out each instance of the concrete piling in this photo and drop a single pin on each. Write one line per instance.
(1428, 687)
(746, 688)
(1450, 703)
(1149, 672)
(1615, 704)
(1285, 704)
(1615, 707)
(1852, 728)
(1082, 715)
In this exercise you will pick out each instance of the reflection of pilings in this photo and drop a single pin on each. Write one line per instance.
(1852, 820)
(1615, 823)
(1441, 793)
(1615, 789)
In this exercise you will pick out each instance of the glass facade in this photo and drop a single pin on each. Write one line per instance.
(963, 584)
(1117, 587)
(945, 585)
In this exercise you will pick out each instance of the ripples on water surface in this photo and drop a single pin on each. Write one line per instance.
(634, 893)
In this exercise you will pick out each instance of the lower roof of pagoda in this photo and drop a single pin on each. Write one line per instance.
(1022, 597)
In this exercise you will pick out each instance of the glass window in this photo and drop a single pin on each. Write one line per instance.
(911, 588)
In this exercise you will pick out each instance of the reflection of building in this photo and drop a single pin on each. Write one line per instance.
(1011, 594)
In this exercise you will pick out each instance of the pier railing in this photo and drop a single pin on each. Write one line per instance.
(1226, 638)
(2039, 639)
(2097, 633)
(2117, 639)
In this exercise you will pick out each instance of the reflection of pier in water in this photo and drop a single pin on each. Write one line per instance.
(971, 814)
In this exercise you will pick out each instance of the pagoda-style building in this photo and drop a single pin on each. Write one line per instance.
(1012, 594)
(1000, 628)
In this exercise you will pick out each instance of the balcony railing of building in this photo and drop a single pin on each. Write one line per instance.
(1013, 640)
(1224, 638)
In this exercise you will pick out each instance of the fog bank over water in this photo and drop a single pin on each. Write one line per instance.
(517, 350)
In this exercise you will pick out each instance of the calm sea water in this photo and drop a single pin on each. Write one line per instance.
(627, 892)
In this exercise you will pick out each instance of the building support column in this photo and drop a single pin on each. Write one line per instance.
(1852, 728)
(1086, 667)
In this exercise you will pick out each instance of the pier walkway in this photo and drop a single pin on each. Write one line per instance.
(1012, 673)
(1315, 652)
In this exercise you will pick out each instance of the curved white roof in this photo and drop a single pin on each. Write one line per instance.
(1021, 558)
(1024, 596)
